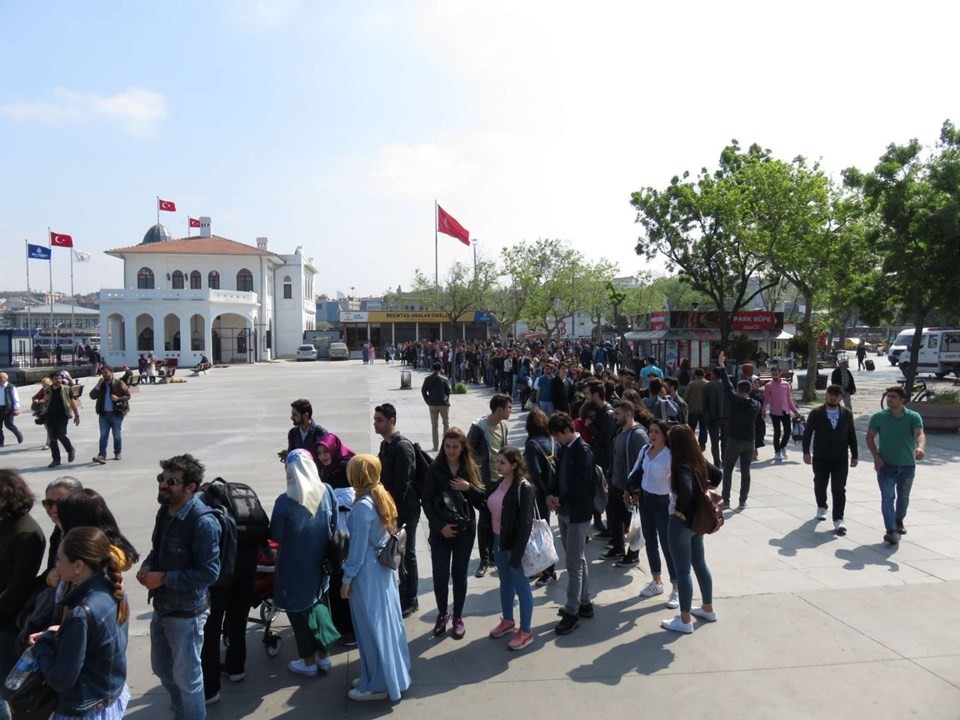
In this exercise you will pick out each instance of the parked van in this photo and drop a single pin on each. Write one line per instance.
(939, 351)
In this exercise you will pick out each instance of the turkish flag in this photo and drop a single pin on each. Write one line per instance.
(194, 222)
(167, 205)
(58, 240)
(449, 226)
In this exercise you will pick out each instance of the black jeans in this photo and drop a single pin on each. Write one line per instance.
(8, 423)
(229, 607)
(742, 450)
(654, 518)
(409, 573)
(451, 556)
(698, 424)
(485, 536)
(718, 438)
(780, 422)
(834, 473)
(617, 517)
(57, 430)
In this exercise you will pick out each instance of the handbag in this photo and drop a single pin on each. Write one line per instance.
(452, 509)
(33, 699)
(635, 532)
(391, 554)
(707, 515)
(540, 553)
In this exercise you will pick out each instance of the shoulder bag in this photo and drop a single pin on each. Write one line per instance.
(540, 553)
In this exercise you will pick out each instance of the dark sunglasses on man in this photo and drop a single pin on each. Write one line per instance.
(168, 479)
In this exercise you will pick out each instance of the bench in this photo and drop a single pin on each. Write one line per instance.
(134, 380)
(784, 375)
(202, 368)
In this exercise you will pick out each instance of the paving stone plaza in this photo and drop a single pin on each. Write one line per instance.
(811, 625)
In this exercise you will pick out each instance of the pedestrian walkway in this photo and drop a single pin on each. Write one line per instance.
(811, 625)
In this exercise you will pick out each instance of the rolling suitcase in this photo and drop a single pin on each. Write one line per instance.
(868, 364)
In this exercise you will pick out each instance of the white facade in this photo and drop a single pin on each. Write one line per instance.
(205, 295)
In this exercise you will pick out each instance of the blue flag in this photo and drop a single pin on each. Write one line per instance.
(38, 252)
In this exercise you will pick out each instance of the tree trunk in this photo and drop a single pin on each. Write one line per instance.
(919, 316)
(810, 389)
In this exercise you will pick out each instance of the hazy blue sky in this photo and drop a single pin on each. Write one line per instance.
(335, 125)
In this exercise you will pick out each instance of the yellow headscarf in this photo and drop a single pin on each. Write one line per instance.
(363, 472)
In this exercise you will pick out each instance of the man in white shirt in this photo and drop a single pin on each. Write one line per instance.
(9, 408)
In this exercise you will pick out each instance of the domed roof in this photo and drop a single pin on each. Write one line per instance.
(158, 233)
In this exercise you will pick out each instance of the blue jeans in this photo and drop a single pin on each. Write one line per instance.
(654, 520)
(687, 550)
(513, 583)
(547, 407)
(895, 482)
(110, 422)
(175, 645)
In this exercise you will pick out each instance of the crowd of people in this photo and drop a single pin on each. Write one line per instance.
(606, 446)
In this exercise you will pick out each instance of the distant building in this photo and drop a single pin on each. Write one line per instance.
(208, 295)
(65, 318)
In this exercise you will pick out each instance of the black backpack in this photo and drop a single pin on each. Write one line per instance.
(241, 503)
(228, 545)
(423, 464)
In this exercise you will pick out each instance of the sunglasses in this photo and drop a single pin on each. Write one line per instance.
(168, 479)
(47, 504)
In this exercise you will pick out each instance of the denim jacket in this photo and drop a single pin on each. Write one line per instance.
(188, 551)
(87, 667)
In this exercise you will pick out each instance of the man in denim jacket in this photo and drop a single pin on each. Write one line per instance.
(183, 563)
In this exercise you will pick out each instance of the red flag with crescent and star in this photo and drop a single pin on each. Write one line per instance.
(449, 226)
(59, 240)
(194, 222)
(167, 205)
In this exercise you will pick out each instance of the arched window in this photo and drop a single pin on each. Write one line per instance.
(213, 280)
(287, 288)
(145, 340)
(145, 279)
(245, 281)
(177, 280)
(195, 280)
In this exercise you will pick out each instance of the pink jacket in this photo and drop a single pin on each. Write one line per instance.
(778, 398)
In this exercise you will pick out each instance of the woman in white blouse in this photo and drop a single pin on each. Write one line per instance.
(652, 498)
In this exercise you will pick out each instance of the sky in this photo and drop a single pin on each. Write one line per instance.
(336, 125)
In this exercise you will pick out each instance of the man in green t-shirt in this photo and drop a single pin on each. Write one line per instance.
(902, 443)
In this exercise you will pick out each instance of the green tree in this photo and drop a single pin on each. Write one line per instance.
(464, 288)
(913, 199)
(698, 226)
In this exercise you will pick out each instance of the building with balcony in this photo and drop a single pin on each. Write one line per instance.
(206, 295)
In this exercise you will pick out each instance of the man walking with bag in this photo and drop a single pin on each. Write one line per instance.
(436, 394)
(9, 408)
(112, 405)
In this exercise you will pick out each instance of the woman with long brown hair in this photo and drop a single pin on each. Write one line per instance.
(373, 588)
(85, 659)
(511, 504)
(688, 473)
(452, 490)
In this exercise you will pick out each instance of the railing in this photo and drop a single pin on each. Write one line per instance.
(237, 297)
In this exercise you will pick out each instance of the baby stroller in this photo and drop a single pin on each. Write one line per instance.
(263, 598)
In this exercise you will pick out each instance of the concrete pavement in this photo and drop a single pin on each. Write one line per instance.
(811, 625)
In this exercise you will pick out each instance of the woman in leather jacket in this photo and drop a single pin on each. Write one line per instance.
(511, 502)
(452, 490)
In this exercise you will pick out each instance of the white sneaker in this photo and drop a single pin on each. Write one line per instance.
(299, 667)
(652, 588)
(821, 513)
(783, 453)
(674, 602)
(777, 456)
(709, 616)
(323, 664)
(358, 696)
(677, 625)
(839, 528)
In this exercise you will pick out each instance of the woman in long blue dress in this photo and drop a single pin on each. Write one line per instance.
(372, 588)
(301, 523)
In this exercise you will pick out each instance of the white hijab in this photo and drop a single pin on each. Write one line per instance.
(303, 481)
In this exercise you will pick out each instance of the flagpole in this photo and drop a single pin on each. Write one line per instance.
(29, 296)
(158, 209)
(436, 250)
(73, 306)
(50, 243)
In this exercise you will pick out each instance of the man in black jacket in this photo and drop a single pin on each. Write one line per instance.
(842, 377)
(112, 404)
(716, 415)
(602, 432)
(740, 444)
(305, 432)
(398, 462)
(436, 394)
(835, 433)
(571, 497)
